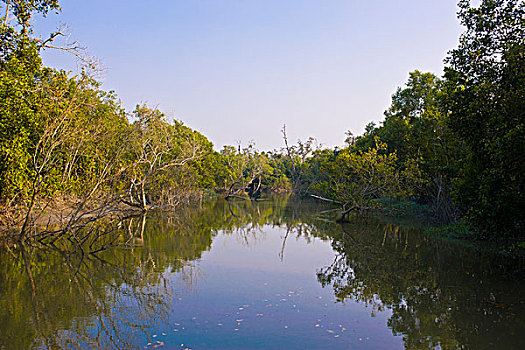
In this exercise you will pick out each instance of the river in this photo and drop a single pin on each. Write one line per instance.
(273, 274)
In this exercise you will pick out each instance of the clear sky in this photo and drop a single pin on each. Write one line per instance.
(237, 70)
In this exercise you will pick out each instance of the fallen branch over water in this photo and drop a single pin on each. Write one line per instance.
(326, 199)
(236, 196)
(345, 210)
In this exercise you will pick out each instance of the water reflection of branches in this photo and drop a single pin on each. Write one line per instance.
(248, 221)
(190, 274)
(289, 228)
(96, 286)
(434, 303)
(98, 291)
(296, 225)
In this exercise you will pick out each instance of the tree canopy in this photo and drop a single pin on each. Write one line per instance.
(452, 143)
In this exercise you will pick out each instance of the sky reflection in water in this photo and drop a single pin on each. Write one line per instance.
(274, 274)
(245, 296)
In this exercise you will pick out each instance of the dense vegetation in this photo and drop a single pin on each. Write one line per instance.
(454, 144)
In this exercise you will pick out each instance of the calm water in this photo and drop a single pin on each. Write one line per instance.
(276, 274)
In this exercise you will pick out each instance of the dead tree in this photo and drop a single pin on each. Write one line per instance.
(297, 155)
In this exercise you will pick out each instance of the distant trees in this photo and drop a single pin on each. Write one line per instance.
(245, 168)
(296, 155)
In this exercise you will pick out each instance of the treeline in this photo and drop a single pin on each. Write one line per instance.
(67, 144)
(453, 143)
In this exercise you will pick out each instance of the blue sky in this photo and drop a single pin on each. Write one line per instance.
(237, 70)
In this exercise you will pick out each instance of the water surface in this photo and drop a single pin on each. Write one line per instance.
(275, 274)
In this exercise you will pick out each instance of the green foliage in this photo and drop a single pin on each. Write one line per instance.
(243, 168)
(23, 10)
(16, 82)
(453, 145)
(56, 131)
(166, 159)
(358, 177)
(396, 207)
(296, 164)
(415, 128)
(485, 86)
(61, 134)
(276, 178)
(457, 230)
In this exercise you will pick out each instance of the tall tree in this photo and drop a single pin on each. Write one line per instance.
(415, 128)
(485, 82)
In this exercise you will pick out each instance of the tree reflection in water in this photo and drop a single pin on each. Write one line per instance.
(58, 299)
(440, 294)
